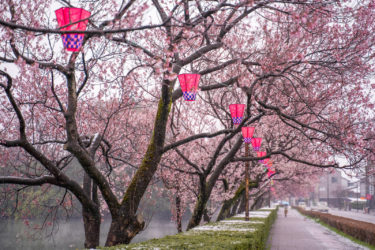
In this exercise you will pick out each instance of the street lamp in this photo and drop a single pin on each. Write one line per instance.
(247, 133)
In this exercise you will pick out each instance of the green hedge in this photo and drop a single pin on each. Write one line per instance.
(360, 230)
(252, 235)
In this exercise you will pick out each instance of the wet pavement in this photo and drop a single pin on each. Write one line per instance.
(354, 215)
(297, 232)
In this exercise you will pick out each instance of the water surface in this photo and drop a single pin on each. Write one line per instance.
(70, 234)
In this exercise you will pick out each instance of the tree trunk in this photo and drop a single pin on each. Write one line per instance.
(237, 204)
(206, 217)
(178, 214)
(258, 201)
(91, 224)
(125, 224)
(91, 219)
(229, 207)
(123, 229)
(241, 205)
(198, 212)
(225, 210)
(206, 187)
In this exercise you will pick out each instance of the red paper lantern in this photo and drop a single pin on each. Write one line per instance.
(271, 173)
(189, 85)
(247, 133)
(256, 143)
(66, 16)
(265, 161)
(261, 154)
(236, 111)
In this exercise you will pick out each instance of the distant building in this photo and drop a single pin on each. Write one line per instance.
(340, 192)
(334, 189)
(367, 184)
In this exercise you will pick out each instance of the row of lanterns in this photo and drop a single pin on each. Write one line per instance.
(189, 86)
(247, 133)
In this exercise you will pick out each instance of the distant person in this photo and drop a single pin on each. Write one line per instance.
(285, 210)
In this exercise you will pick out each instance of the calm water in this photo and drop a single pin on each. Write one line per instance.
(14, 234)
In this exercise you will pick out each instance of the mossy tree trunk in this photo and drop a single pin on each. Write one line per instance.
(200, 205)
(125, 224)
(229, 207)
(198, 211)
(208, 184)
(240, 204)
(123, 229)
(258, 201)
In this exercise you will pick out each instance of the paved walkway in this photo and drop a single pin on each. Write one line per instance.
(298, 232)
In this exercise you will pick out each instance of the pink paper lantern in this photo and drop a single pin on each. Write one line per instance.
(66, 16)
(271, 173)
(236, 111)
(189, 85)
(256, 143)
(247, 133)
(261, 154)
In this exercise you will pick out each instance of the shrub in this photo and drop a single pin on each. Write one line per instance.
(360, 230)
(252, 235)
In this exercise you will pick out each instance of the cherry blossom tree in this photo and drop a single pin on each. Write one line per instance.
(115, 106)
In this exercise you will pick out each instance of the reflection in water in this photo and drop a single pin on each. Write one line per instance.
(70, 235)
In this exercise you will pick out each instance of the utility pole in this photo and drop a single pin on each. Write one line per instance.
(247, 166)
(328, 189)
(269, 196)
